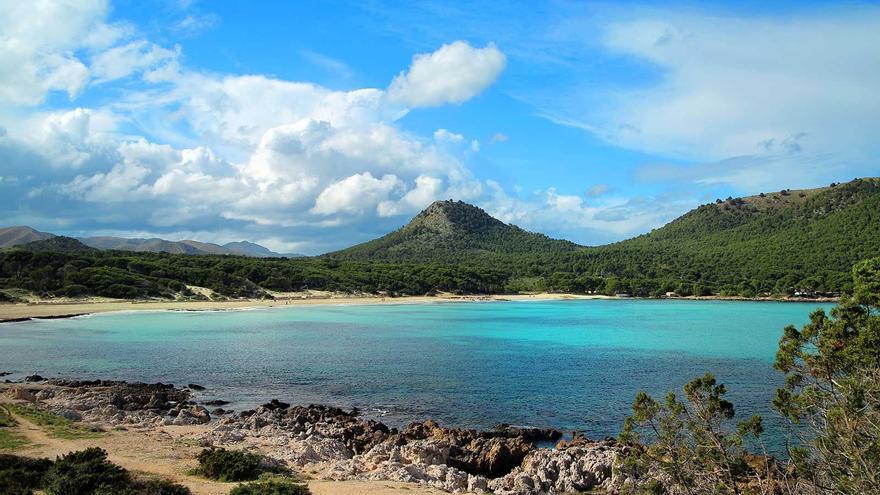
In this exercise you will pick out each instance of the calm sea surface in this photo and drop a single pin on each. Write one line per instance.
(572, 365)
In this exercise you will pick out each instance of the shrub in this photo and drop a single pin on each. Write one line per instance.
(86, 471)
(275, 486)
(21, 475)
(229, 465)
(151, 487)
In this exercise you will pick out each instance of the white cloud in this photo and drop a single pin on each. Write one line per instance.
(728, 85)
(499, 137)
(442, 135)
(136, 56)
(355, 194)
(455, 73)
(582, 220)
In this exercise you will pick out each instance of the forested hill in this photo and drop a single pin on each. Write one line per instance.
(781, 243)
(453, 231)
(772, 242)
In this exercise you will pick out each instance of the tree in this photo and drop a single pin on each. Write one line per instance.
(832, 369)
(693, 451)
(831, 396)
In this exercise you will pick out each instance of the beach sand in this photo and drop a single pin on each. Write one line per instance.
(48, 308)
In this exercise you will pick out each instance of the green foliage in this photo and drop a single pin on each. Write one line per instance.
(85, 472)
(21, 475)
(832, 369)
(693, 445)
(272, 486)
(57, 426)
(832, 395)
(150, 487)
(230, 465)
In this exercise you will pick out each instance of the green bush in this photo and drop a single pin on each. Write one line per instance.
(278, 486)
(21, 475)
(230, 465)
(85, 472)
(151, 487)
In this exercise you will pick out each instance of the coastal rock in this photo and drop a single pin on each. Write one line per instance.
(275, 405)
(576, 469)
(216, 402)
(34, 378)
(21, 393)
(194, 386)
(193, 415)
(529, 434)
(313, 450)
(490, 454)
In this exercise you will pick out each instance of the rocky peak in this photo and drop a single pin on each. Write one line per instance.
(450, 216)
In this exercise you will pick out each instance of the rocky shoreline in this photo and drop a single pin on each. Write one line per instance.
(334, 444)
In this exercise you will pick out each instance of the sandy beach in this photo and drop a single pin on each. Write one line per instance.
(68, 308)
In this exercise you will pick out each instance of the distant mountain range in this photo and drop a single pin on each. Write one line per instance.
(16, 236)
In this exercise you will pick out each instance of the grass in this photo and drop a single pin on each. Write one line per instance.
(11, 441)
(8, 439)
(55, 425)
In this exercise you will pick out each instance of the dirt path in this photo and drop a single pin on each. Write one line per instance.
(168, 453)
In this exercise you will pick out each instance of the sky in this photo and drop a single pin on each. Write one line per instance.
(311, 126)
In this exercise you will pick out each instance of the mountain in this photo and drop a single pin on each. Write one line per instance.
(57, 244)
(152, 245)
(453, 231)
(769, 242)
(246, 248)
(156, 245)
(13, 236)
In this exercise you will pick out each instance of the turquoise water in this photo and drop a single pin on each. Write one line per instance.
(573, 365)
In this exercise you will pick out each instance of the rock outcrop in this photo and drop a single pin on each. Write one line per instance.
(333, 443)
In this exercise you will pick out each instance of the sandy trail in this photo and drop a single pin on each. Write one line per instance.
(167, 453)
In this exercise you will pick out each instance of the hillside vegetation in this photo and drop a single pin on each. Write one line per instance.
(782, 243)
(454, 232)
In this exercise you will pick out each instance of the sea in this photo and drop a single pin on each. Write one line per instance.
(574, 365)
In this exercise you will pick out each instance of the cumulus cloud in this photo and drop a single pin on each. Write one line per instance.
(48, 46)
(354, 194)
(455, 73)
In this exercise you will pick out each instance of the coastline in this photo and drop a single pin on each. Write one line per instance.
(56, 309)
(159, 429)
(51, 309)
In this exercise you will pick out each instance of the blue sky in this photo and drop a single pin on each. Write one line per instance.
(310, 126)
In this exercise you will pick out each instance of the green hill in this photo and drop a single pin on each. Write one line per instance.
(57, 244)
(454, 232)
(786, 241)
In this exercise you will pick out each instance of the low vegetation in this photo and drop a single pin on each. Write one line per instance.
(271, 486)
(233, 465)
(831, 397)
(55, 425)
(86, 472)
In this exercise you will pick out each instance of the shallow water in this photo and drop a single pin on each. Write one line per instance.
(572, 365)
